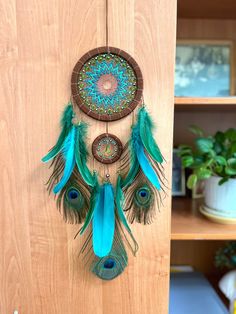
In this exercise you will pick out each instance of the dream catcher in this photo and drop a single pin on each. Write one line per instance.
(106, 85)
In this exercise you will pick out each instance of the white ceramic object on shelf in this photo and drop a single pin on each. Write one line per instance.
(227, 286)
(221, 198)
(220, 219)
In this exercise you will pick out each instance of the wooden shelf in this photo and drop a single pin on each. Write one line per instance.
(205, 103)
(189, 224)
(205, 100)
(203, 9)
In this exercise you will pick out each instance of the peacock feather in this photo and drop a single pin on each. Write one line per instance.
(73, 199)
(103, 222)
(112, 265)
(71, 180)
(141, 171)
(114, 262)
(140, 204)
(66, 125)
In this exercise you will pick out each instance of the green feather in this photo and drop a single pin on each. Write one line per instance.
(73, 199)
(146, 127)
(93, 200)
(139, 201)
(129, 166)
(81, 154)
(66, 125)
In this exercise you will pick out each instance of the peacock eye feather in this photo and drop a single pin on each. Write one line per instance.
(109, 263)
(72, 194)
(143, 196)
(111, 266)
(73, 199)
(139, 200)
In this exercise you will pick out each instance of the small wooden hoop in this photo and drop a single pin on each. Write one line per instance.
(95, 145)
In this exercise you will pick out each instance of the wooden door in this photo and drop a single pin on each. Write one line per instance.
(40, 41)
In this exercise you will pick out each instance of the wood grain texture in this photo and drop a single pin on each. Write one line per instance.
(40, 43)
(188, 223)
(199, 254)
(211, 101)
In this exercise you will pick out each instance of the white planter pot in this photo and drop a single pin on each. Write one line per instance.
(221, 198)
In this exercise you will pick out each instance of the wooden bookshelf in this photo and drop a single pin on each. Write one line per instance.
(203, 9)
(214, 101)
(189, 224)
(205, 103)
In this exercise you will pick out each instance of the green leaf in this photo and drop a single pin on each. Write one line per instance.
(218, 147)
(220, 137)
(232, 163)
(223, 180)
(187, 161)
(204, 145)
(208, 163)
(220, 160)
(232, 148)
(192, 180)
(218, 169)
(230, 134)
(212, 153)
(184, 150)
(196, 130)
(230, 169)
(203, 173)
(198, 162)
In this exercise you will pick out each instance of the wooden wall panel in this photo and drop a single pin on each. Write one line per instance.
(39, 44)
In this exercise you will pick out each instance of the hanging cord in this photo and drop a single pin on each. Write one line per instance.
(107, 34)
(106, 168)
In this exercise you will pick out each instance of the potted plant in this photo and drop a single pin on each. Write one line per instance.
(213, 158)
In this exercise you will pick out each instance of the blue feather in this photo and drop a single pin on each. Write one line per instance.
(68, 152)
(144, 163)
(66, 125)
(104, 221)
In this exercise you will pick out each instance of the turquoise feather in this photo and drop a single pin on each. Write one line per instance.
(68, 151)
(74, 152)
(143, 161)
(132, 173)
(104, 221)
(81, 154)
(66, 125)
(142, 177)
(145, 129)
(147, 167)
(94, 200)
(144, 152)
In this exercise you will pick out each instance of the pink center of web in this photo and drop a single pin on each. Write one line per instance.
(107, 84)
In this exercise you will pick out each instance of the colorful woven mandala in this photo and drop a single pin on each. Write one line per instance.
(107, 86)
